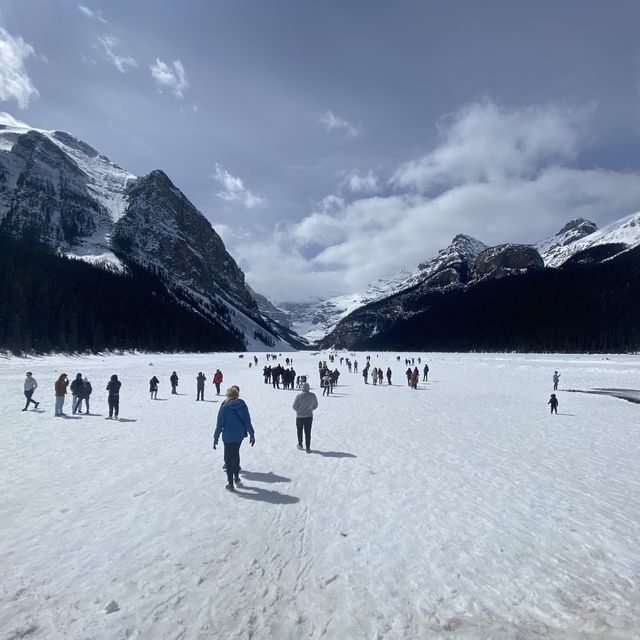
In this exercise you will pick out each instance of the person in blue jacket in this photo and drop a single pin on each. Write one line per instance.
(234, 424)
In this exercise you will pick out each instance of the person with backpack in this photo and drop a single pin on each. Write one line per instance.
(30, 385)
(217, 380)
(200, 380)
(174, 383)
(153, 387)
(85, 394)
(233, 424)
(113, 387)
(304, 405)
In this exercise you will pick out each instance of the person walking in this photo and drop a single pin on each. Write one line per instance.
(553, 401)
(113, 387)
(425, 373)
(233, 424)
(200, 380)
(414, 379)
(217, 380)
(388, 375)
(304, 405)
(409, 373)
(326, 382)
(76, 388)
(174, 383)
(61, 391)
(85, 394)
(556, 379)
(153, 387)
(30, 385)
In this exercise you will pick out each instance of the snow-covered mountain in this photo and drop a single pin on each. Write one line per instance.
(57, 191)
(467, 261)
(580, 235)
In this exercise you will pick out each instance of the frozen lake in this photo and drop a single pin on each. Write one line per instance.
(459, 510)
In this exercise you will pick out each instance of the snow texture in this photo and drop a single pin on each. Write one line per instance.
(462, 510)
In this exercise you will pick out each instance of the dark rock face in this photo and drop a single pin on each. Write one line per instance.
(580, 228)
(507, 259)
(162, 229)
(43, 195)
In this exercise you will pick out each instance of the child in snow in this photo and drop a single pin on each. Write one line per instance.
(553, 401)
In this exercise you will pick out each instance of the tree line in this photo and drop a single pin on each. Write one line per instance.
(53, 303)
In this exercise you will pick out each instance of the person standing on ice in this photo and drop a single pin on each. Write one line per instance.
(85, 394)
(217, 380)
(174, 382)
(61, 391)
(409, 373)
(76, 388)
(556, 379)
(153, 387)
(200, 380)
(304, 405)
(30, 385)
(425, 373)
(233, 423)
(113, 387)
(553, 401)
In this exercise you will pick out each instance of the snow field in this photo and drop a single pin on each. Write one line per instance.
(461, 510)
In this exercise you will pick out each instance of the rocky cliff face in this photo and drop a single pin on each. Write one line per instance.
(506, 260)
(58, 191)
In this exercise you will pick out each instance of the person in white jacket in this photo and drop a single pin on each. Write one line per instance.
(30, 385)
(304, 405)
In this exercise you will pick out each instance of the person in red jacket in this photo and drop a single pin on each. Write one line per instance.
(217, 380)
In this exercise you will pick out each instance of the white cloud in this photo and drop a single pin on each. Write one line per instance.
(92, 15)
(485, 142)
(122, 63)
(501, 176)
(15, 82)
(333, 122)
(9, 121)
(235, 191)
(174, 78)
(363, 184)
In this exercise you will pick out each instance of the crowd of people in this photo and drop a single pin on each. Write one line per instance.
(233, 423)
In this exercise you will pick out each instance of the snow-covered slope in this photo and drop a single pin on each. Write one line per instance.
(58, 191)
(580, 235)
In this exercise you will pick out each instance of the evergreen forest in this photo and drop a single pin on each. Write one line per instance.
(53, 303)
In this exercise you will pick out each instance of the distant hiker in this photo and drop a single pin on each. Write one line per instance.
(61, 391)
(553, 401)
(556, 379)
(425, 373)
(355, 366)
(374, 375)
(174, 382)
(255, 360)
(388, 375)
(76, 388)
(30, 385)
(217, 380)
(380, 375)
(233, 423)
(153, 387)
(113, 387)
(409, 373)
(200, 380)
(365, 375)
(326, 383)
(413, 383)
(304, 405)
(85, 394)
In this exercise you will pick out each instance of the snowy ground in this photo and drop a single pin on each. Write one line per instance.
(461, 510)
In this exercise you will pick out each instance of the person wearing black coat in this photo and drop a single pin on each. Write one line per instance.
(174, 382)
(200, 380)
(113, 387)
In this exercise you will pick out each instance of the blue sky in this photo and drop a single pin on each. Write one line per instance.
(331, 142)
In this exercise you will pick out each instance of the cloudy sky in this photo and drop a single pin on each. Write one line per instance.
(331, 142)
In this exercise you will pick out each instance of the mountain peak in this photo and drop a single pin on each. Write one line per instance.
(579, 224)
